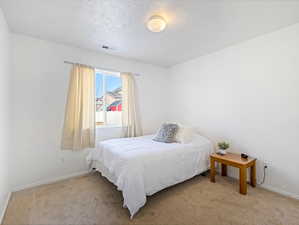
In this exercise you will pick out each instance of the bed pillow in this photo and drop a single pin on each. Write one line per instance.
(185, 135)
(167, 133)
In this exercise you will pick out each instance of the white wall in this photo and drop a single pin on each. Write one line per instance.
(247, 94)
(5, 112)
(40, 88)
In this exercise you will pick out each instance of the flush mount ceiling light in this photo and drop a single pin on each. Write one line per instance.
(156, 24)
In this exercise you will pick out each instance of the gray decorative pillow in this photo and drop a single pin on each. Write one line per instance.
(167, 133)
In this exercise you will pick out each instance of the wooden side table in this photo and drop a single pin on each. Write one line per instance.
(235, 160)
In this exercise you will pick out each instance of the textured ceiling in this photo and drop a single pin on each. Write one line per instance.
(195, 27)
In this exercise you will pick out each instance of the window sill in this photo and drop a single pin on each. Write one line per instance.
(109, 126)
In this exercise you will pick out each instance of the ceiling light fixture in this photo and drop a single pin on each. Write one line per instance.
(156, 24)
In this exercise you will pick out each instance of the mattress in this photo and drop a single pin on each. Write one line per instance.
(140, 166)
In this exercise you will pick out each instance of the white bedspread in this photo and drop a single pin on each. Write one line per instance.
(140, 166)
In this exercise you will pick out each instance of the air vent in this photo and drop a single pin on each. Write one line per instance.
(106, 47)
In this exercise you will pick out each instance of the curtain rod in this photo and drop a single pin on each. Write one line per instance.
(104, 69)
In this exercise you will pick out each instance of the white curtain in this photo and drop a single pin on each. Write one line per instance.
(130, 119)
(79, 122)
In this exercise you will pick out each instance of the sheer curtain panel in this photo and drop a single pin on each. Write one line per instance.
(130, 118)
(79, 121)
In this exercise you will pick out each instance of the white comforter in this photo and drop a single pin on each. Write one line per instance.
(140, 166)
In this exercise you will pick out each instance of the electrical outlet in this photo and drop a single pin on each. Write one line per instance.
(266, 164)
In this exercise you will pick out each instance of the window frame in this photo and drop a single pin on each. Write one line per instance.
(105, 73)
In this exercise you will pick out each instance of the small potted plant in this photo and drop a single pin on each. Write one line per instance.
(222, 147)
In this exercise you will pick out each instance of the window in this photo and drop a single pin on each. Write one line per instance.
(108, 98)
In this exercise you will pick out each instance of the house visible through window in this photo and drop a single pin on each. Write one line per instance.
(108, 98)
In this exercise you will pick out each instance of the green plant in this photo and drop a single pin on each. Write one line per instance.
(223, 145)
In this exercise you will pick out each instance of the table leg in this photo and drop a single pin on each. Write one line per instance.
(213, 170)
(223, 169)
(253, 175)
(243, 178)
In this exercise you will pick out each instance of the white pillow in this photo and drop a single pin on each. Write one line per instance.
(200, 140)
(185, 135)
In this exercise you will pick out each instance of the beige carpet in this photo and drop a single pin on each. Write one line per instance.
(91, 199)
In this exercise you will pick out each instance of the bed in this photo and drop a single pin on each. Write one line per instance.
(140, 167)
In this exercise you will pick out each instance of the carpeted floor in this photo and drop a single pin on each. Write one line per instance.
(91, 199)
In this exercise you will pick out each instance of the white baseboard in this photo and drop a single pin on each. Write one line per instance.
(49, 181)
(276, 190)
(4, 207)
(267, 187)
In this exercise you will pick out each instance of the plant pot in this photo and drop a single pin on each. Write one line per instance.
(221, 152)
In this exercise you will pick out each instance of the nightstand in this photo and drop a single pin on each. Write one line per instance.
(235, 160)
